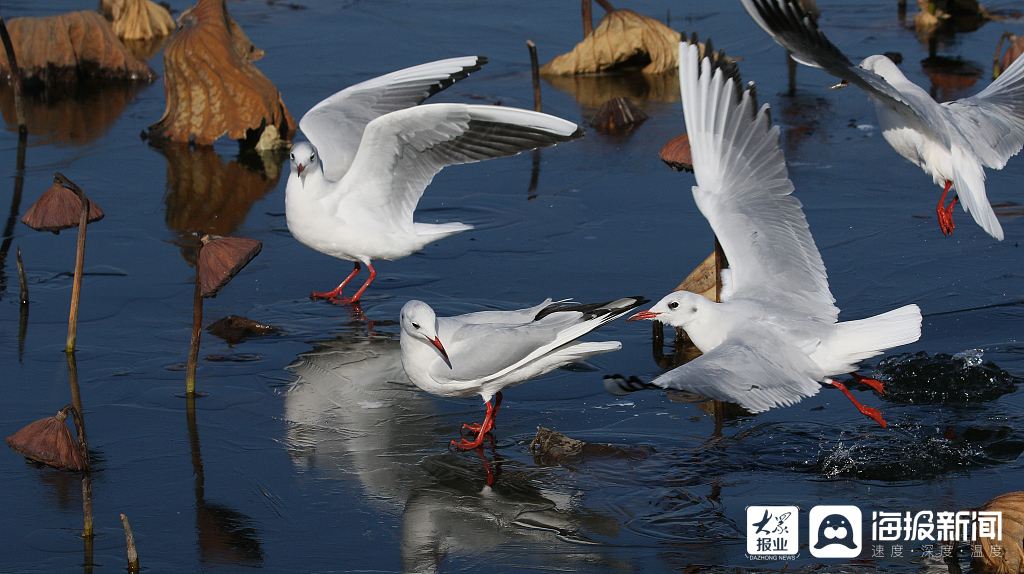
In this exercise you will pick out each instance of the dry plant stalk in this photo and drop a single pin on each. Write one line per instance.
(213, 88)
(1013, 51)
(69, 48)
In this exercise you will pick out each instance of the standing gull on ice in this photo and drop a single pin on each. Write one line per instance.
(485, 352)
(372, 151)
(775, 334)
(950, 141)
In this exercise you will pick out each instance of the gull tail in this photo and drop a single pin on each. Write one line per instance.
(430, 232)
(854, 341)
(969, 183)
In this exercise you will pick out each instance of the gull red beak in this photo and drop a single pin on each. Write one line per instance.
(643, 315)
(300, 167)
(437, 343)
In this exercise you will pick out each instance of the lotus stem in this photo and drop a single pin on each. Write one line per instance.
(12, 62)
(76, 289)
(588, 19)
(133, 555)
(535, 72)
(22, 280)
(197, 322)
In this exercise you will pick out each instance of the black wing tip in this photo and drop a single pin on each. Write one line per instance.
(456, 76)
(608, 309)
(719, 61)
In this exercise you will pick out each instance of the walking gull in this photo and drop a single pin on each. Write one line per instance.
(776, 333)
(485, 352)
(372, 151)
(950, 141)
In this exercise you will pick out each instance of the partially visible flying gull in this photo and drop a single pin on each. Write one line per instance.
(485, 352)
(776, 333)
(372, 151)
(950, 141)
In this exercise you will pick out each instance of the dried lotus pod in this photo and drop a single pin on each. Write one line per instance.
(211, 85)
(221, 259)
(137, 19)
(69, 48)
(58, 208)
(618, 116)
(49, 442)
(676, 153)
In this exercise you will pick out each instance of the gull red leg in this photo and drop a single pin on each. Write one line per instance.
(359, 293)
(873, 383)
(864, 410)
(945, 213)
(337, 290)
(485, 427)
(475, 427)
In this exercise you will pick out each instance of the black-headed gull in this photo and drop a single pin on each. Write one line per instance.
(372, 151)
(482, 353)
(775, 335)
(950, 141)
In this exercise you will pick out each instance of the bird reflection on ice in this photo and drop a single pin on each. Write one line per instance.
(354, 411)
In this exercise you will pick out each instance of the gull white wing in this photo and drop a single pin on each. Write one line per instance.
(488, 352)
(754, 368)
(335, 126)
(793, 29)
(744, 192)
(993, 120)
(401, 152)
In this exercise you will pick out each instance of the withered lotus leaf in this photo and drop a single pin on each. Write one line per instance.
(622, 38)
(1004, 556)
(50, 442)
(137, 19)
(618, 116)
(676, 153)
(212, 87)
(58, 208)
(69, 48)
(221, 259)
(235, 329)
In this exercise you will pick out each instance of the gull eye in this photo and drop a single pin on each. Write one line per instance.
(673, 305)
(415, 325)
(293, 156)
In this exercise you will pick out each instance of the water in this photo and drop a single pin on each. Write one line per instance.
(332, 464)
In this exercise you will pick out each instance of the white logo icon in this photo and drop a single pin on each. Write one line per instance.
(835, 531)
(772, 530)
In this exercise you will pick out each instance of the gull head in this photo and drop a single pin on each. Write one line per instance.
(419, 322)
(678, 309)
(304, 159)
(883, 66)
